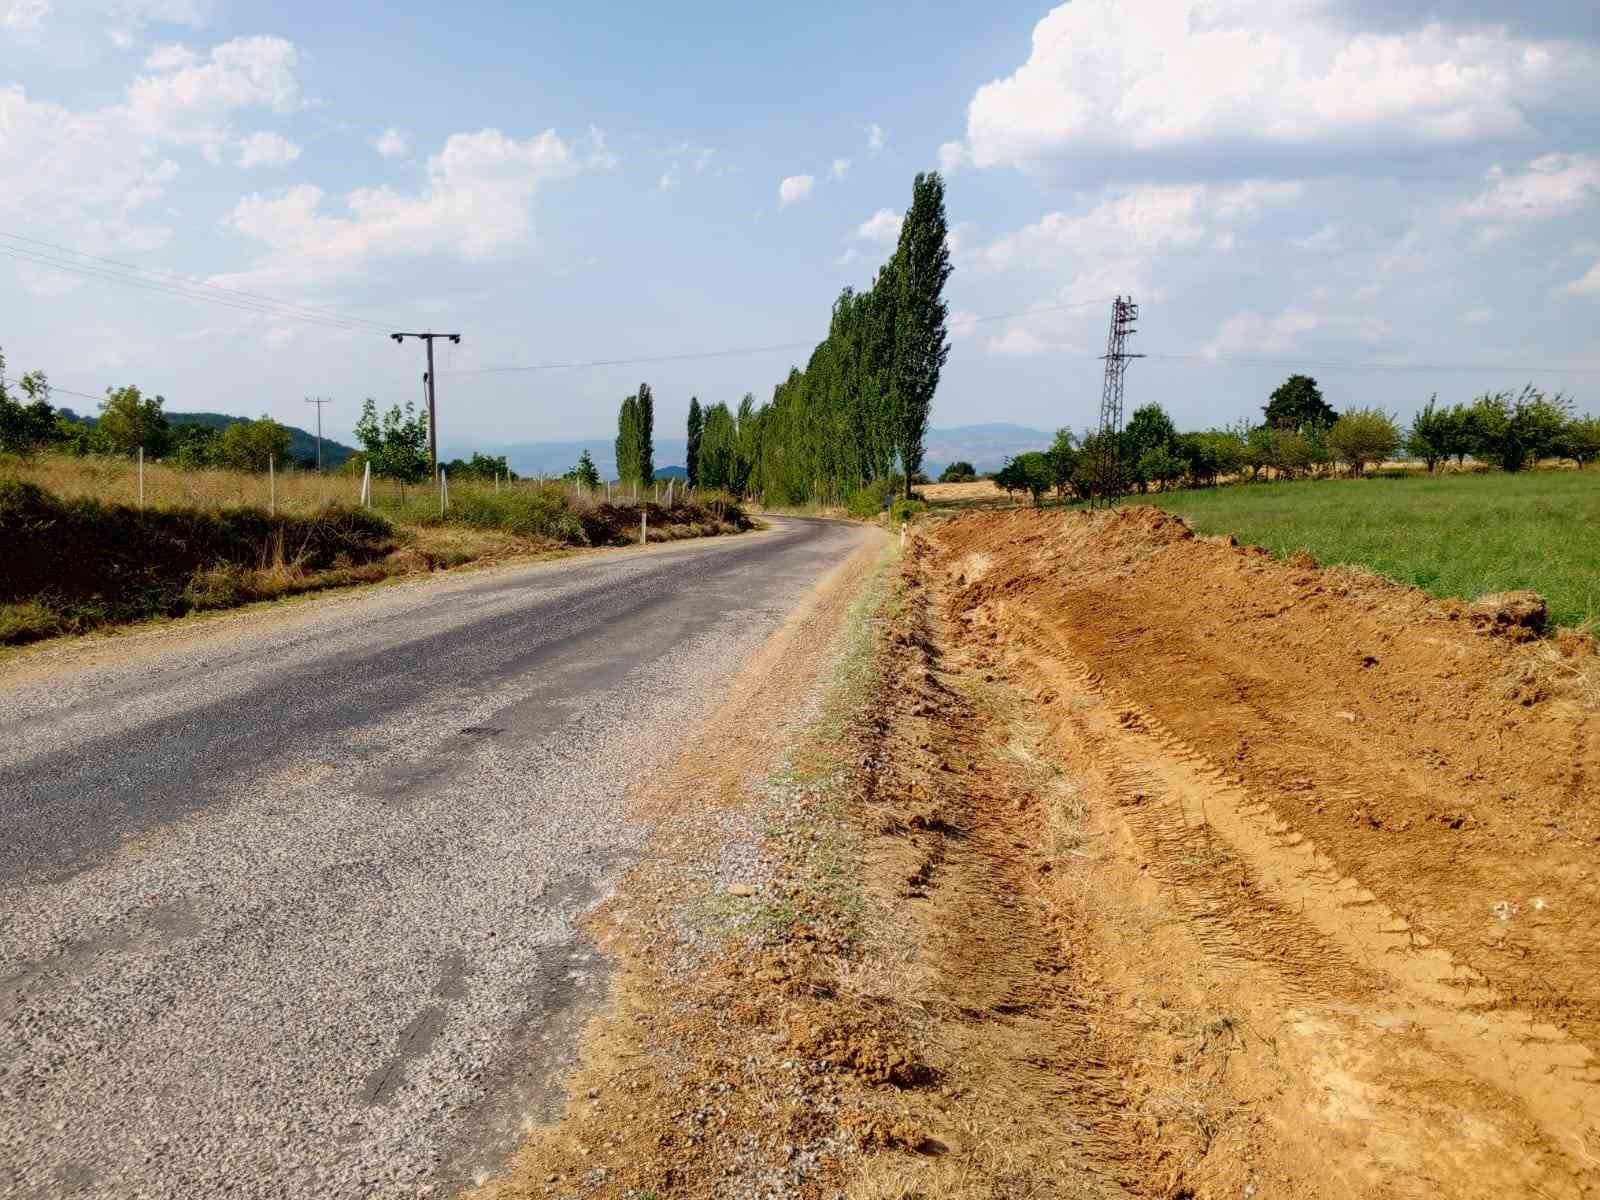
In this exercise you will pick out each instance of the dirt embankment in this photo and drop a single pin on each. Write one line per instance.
(1341, 907)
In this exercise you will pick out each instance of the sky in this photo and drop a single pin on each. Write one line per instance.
(1400, 197)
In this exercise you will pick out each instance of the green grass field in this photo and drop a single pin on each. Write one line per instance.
(1453, 535)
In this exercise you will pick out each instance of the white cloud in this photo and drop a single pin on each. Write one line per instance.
(793, 189)
(840, 168)
(874, 137)
(849, 256)
(24, 16)
(477, 201)
(267, 149)
(962, 323)
(1552, 185)
(951, 156)
(1142, 219)
(1265, 335)
(1016, 342)
(1273, 73)
(669, 179)
(881, 226)
(188, 100)
(1477, 316)
(392, 142)
(1254, 333)
(1589, 285)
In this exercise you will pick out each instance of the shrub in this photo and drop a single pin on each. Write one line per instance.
(958, 472)
(906, 510)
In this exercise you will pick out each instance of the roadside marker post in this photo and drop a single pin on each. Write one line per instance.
(444, 492)
(644, 525)
(272, 485)
(366, 485)
(141, 476)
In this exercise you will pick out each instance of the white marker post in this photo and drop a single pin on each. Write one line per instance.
(141, 476)
(272, 486)
(444, 492)
(644, 525)
(366, 485)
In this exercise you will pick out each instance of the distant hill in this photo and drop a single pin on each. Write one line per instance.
(986, 447)
(672, 473)
(302, 445)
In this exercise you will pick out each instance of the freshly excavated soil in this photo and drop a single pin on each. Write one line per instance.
(1327, 903)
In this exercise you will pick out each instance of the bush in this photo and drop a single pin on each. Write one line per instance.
(1362, 436)
(958, 472)
(870, 499)
(906, 510)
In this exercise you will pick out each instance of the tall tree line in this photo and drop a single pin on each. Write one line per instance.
(861, 406)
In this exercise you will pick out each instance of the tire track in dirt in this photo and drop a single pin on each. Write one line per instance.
(1385, 1044)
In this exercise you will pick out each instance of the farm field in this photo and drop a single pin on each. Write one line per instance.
(1460, 535)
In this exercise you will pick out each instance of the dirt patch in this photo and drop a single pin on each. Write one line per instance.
(1335, 819)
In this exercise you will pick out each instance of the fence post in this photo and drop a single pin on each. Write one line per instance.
(444, 492)
(272, 485)
(644, 524)
(141, 476)
(366, 485)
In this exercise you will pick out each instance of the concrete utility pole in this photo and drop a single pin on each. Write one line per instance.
(319, 402)
(427, 383)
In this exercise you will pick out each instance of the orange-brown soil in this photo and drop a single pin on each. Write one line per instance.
(1169, 870)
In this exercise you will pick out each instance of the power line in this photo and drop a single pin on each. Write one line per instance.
(186, 288)
(743, 350)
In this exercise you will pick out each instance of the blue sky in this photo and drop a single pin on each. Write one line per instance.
(1308, 182)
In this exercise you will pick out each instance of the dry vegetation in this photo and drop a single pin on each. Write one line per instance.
(84, 554)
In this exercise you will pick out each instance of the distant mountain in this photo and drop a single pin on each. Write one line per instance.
(302, 445)
(986, 447)
(672, 473)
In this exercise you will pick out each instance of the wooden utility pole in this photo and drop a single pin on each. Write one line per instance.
(427, 383)
(319, 402)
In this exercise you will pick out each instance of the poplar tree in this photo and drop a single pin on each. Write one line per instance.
(645, 437)
(921, 269)
(628, 440)
(696, 427)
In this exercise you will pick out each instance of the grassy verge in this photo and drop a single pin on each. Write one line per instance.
(1454, 535)
(80, 553)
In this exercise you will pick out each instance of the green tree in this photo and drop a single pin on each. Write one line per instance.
(1146, 445)
(129, 420)
(1292, 454)
(252, 445)
(921, 269)
(483, 467)
(195, 445)
(397, 447)
(1362, 436)
(748, 445)
(1031, 472)
(1518, 431)
(1296, 403)
(585, 472)
(1580, 440)
(958, 472)
(1063, 456)
(719, 446)
(696, 428)
(1432, 433)
(646, 435)
(29, 421)
(627, 444)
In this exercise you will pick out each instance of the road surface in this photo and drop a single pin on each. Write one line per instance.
(289, 900)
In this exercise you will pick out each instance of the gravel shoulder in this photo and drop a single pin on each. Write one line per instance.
(286, 896)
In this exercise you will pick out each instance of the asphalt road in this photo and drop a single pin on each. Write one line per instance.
(288, 904)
